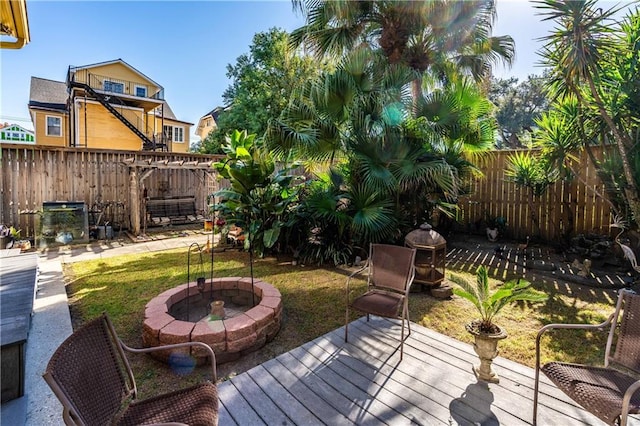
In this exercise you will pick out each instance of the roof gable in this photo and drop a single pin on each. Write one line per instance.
(15, 128)
(115, 62)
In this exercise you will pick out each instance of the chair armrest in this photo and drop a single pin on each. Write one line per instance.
(353, 274)
(626, 401)
(204, 346)
(599, 327)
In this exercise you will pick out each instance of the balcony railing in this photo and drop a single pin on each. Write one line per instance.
(113, 85)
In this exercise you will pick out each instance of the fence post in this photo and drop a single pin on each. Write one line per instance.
(135, 200)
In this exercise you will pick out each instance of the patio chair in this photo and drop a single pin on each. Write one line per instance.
(608, 392)
(90, 375)
(390, 273)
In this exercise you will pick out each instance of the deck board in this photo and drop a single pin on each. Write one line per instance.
(328, 381)
(18, 275)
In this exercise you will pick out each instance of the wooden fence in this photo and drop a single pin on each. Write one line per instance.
(566, 208)
(31, 175)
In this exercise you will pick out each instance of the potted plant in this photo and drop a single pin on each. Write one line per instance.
(495, 227)
(489, 303)
(8, 234)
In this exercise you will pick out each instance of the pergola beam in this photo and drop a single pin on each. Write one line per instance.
(165, 164)
(140, 170)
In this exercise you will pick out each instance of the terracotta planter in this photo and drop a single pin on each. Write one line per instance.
(486, 346)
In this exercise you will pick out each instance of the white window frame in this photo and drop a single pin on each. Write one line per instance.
(178, 131)
(46, 125)
(135, 90)
(111, 83)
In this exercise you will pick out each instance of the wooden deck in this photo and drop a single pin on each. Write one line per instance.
(362, 382)
(18, 275)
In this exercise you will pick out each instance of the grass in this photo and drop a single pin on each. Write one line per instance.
(314, 302)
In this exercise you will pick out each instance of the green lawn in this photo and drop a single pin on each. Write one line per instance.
(314, 303)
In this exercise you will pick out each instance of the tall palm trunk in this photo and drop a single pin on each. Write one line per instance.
(622, 142)
(416, 92)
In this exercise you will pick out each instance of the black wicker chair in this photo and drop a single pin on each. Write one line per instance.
(390, 273)
(608, 392)
(89, 373)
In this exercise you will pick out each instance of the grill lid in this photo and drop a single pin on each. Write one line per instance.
(424, 237)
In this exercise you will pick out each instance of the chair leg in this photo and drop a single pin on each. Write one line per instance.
(346, 325)
(408, 321)
(535, 395)
(402, 341)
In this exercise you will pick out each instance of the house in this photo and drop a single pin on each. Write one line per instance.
(208, 122)
(14, 133)
(108, 105)
(14, 24)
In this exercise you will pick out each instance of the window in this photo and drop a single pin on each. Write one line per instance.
(178, 134)
(141, 91)
(54, 126)
(167, 131)
(111, 86)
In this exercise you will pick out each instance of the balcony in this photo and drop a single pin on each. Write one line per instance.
(134, 93)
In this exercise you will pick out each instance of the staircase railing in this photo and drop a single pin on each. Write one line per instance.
(149, 141)
(113, 85)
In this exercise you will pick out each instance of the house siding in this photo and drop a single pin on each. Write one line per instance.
(117, 71)
(103, 130)
(16, 134)
(88, 123)
(40, 126)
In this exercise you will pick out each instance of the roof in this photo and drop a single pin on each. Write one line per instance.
(215, 112)
(114, 61)
(168, 113)
(15, 23)
(15, 127)
(48, 94)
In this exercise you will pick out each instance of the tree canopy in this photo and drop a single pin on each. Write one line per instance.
(262, 82)
(518, 106)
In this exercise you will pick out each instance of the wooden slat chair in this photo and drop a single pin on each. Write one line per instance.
(609, 392)
(390, 273)
(89, 373)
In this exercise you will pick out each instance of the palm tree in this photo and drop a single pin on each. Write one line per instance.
(361, 115)
(444, 37)
(579, 52)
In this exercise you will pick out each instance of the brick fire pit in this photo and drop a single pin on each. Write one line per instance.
(230, 338)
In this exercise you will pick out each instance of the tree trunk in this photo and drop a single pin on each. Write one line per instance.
(622, 142)
(416, 91)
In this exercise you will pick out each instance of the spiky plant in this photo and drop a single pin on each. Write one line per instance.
(490, 302)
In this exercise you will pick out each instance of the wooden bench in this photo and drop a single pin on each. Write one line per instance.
(173, 211)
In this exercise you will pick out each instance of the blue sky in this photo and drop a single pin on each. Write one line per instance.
(184, 46)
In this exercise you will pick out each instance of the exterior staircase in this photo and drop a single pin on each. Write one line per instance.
(148, 144)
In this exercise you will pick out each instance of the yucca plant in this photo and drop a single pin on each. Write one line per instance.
(490, 302)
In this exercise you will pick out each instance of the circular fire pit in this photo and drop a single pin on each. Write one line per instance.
(243, 329)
